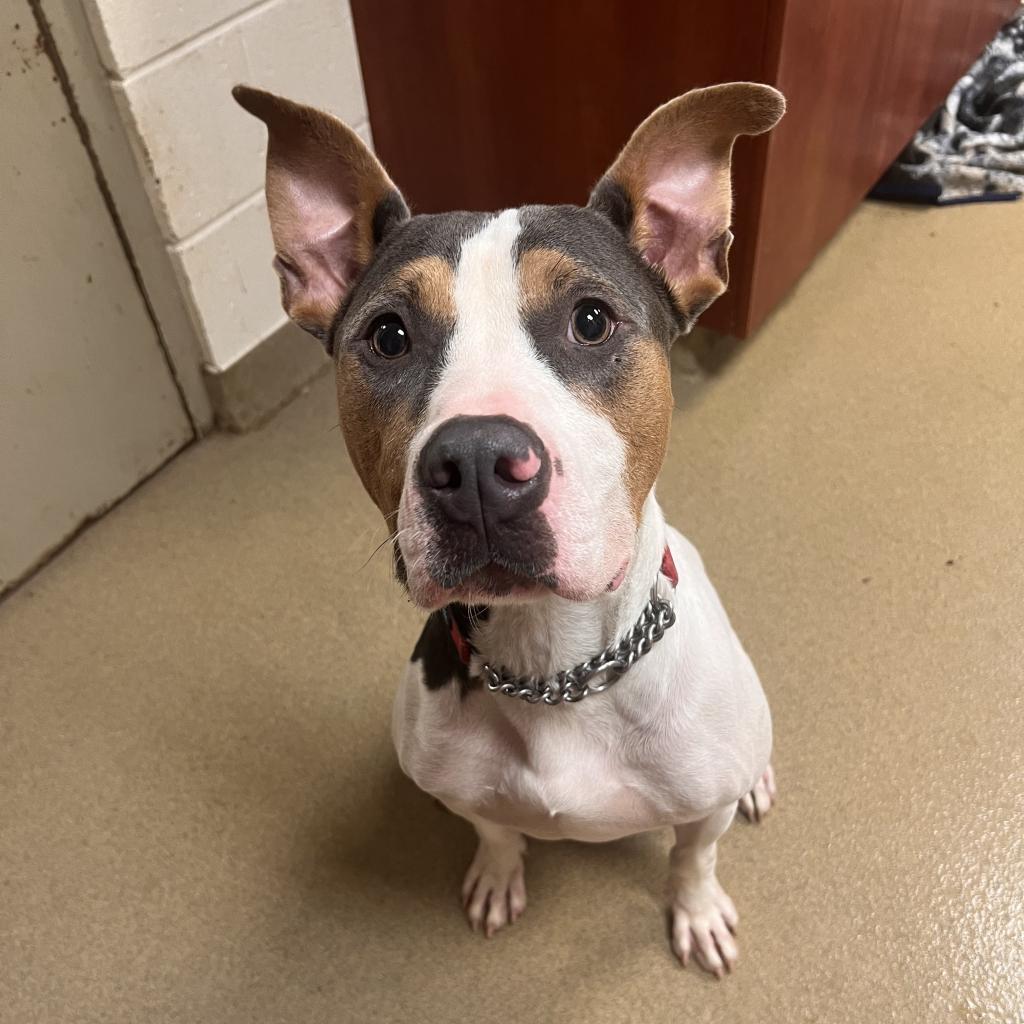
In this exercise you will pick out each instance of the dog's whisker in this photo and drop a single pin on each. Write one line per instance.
(387, 540)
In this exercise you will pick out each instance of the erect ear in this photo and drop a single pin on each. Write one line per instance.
(330, 202)
(674, 172)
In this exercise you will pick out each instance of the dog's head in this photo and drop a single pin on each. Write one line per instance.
(503, 380)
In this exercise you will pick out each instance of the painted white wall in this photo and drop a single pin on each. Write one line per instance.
(200, 157)
(88, 407)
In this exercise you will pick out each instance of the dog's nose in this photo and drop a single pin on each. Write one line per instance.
(483, 470)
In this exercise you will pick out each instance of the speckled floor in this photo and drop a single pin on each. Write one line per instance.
(200, 815)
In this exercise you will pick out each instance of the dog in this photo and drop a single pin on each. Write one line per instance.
(505, 395)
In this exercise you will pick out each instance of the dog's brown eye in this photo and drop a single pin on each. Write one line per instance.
(591, 323)
(389, 338)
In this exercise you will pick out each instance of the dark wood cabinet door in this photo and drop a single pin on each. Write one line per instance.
(485, 104)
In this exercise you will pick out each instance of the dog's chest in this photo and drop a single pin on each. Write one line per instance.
(570, 776)
(590, 772)
(579, 787)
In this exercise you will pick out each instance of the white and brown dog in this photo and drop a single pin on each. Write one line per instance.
(505, 395)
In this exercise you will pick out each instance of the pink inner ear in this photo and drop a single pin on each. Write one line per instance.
(330, 262)
(685, 211)
(673, 243)
(318, 240)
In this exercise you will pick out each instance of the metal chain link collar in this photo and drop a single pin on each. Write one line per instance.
(613, 662)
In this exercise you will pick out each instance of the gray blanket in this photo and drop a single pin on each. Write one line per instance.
(972, 148)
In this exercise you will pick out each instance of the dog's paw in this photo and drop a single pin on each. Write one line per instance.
(494, 892)
(761, 799)
(704, 926)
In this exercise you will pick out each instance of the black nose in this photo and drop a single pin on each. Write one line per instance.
(484, 470)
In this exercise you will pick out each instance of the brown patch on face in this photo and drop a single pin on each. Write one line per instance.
(640, 410)
(431, 281)
(543, 276)
(380, 403)
(377, 438)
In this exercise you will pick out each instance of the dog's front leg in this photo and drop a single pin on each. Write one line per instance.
(703, 917)
(494, 892)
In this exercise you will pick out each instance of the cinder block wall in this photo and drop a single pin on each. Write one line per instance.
(171, 68)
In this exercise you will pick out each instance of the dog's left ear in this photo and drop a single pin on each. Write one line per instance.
(669, 188)
(330, 203)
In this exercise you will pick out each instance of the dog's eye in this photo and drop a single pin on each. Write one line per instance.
(591, 323)
(388, 337)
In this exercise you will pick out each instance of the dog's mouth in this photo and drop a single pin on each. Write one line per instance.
(498, 577)
(494, 559)
(507, 562)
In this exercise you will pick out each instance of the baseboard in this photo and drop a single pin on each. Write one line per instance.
(250, 391)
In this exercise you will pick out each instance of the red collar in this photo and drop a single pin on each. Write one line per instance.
(668, 567)
(462, 646)
(465, 649)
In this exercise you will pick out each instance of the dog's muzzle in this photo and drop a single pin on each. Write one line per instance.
(482, 480)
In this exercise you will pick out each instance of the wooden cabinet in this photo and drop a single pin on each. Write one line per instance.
(484, 104)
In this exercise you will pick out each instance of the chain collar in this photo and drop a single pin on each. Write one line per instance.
(606, 668)
(611, 664)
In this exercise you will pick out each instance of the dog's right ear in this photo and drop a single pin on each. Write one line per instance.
(330, 203)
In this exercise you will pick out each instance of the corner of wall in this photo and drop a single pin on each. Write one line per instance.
(186, 167)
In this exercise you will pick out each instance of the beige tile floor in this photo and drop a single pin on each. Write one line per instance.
(200, 814)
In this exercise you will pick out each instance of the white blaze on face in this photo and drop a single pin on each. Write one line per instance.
(493, 368)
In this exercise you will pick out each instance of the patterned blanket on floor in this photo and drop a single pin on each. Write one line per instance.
(972, 148)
